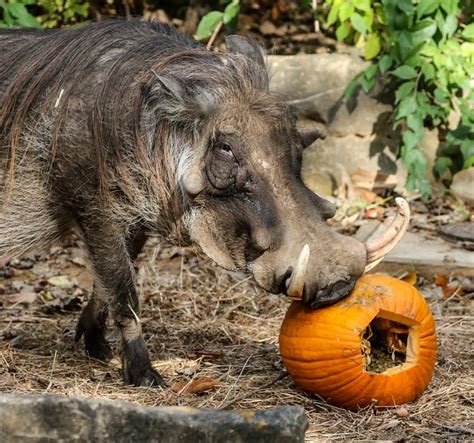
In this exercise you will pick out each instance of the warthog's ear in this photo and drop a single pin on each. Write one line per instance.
(189, 100)
(170, 85)
(309, 133)
(236, 44)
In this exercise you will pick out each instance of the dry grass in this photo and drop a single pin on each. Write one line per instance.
(202, 322)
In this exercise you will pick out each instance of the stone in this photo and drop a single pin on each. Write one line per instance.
(314, 84)
(364, 117)
(430, 145)
(351, 153)
(463, 231)
(320, 182)
(359, 132)
(463, 186)
(429, 256)
(36, 418)
(267, 28)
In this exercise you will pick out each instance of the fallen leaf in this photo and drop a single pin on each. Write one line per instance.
(23, 298)
(275, 13)
(84, 279)
(368, 196)
(374, 213)
(46, 296)
(79, 261)
(4, 261)
(401, 412)
(441, 280)
(267, 28)
(23, 263)
(204, 355)
(58, 299)
(448, 290)
(61, 281)
(195, 386)
(411, 278)
(372, 180)
(189, 369)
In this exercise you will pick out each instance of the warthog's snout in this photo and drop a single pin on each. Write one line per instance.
(296, 278)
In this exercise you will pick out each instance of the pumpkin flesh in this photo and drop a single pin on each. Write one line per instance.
(323, 350)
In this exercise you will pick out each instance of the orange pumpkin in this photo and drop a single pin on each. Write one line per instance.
(329, 351)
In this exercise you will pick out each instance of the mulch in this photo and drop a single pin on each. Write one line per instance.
(212, 329)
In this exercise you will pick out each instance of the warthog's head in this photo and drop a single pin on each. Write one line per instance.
(248, 206)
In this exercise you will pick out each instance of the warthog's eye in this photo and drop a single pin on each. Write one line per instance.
(221, 165)
(224, 148)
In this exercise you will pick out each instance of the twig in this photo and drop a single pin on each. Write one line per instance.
(316, 21)
(127, 9)
(51, 373)
(458, 429)
(281, 376)
(214, 34)
(454, 294)
(236, 381)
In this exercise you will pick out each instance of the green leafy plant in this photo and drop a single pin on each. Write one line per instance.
(214, 19)
(61, 12)
(16, 14)
(425, 55)
(45, 13)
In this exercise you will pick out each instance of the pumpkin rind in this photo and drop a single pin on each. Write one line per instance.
(321, 349)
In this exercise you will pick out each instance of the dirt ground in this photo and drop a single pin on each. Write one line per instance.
(201, 322)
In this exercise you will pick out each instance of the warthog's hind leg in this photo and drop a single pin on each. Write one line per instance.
(112, 254)
(93, 325)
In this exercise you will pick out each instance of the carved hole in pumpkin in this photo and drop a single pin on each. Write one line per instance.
(384, 344)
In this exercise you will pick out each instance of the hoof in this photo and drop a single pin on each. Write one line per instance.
(137, 369)
(94, 339)
(148, 378)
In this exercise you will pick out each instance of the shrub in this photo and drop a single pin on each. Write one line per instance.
(16, 14)
(425, 54)
(45, 13)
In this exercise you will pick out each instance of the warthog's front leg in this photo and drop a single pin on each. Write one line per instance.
(93, 325)
(112, 254)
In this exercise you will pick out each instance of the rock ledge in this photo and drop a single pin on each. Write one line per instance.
(35, 418)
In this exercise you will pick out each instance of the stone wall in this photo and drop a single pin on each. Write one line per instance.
(359, 131)
(52, 418)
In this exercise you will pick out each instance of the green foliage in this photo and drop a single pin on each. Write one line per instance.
(60, 12)
(15, 14)
(213, 19)
(47, 13)
(426, 56)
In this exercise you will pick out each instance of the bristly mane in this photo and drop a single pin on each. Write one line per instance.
(105, 86)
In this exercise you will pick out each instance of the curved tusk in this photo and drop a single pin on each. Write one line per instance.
(379, 247)
(295, 284)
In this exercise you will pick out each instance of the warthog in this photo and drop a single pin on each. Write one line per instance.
(118, 129)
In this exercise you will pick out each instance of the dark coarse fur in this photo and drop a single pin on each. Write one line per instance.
(111, 106)
(103, 139)
(120, 128)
